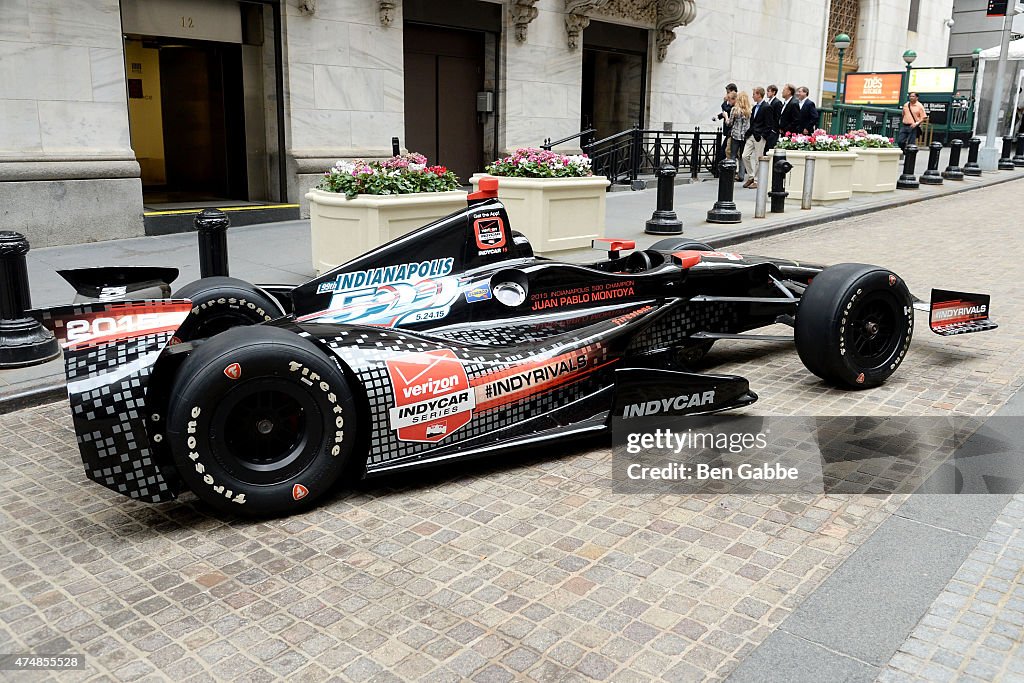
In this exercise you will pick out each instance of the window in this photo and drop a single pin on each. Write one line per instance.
(915, 11)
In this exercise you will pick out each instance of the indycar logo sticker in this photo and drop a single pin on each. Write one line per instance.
(669, 405)
(433, 398)
(490, 234)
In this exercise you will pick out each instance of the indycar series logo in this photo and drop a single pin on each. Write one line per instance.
(490, 234)
(433, 398)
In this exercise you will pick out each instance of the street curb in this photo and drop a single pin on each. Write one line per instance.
(754, 233)
(49, 391)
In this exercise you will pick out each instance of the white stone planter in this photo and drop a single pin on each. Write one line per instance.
(833, 175)
(876, 169)
(554, 213)
(345, 228)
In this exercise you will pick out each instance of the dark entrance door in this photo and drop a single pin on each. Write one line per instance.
(203, 120)
(614, 78)
(444, 70)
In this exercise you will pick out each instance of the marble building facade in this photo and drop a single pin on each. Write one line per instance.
(331, 83)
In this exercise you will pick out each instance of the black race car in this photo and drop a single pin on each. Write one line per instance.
(450, 342)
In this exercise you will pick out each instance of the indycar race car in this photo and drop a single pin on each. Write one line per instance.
(450, 342)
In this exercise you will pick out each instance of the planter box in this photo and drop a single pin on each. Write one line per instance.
(876, 169)
(833, 175)
(554, 213)
(345, 228)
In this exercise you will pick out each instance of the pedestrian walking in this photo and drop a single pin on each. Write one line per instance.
(727, 102)
(807, 121)
(739, 120)
(910, 125)
(761, 117)
(775, 105)
(790, 116)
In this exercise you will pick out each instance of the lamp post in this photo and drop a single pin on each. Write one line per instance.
(842, 41)
(909, 56)
(975, 58)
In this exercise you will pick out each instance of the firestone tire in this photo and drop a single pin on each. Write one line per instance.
(220, 303)
(854, 325)
(261, 422)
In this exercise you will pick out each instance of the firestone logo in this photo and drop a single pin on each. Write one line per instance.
(433, 398)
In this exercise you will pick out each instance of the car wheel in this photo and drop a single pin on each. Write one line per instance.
(261, 422)
(220, 303)
(854, 325)
(675, 244)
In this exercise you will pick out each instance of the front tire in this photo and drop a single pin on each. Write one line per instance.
(261, 422)
(854, 325)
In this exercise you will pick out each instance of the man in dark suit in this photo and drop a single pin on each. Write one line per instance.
(773, 101)
(761, 119)
(807, 121)
(789, 118)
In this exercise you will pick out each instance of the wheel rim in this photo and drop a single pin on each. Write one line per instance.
(873, 330)
(266, 431)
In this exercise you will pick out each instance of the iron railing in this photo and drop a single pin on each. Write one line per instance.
(584, 136)
(627, 155)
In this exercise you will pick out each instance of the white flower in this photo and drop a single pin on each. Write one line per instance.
(417, 167)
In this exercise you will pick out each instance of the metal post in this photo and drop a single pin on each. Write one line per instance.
(1018, 158)
(212, 230)
(808, 189)
(972, 168)
(1005, 162)
(724, 210)
(990, 152)
(932, 176)
(695, 155)
(953, 170)
(396, 149)
(635, 153)
(675, 150)
(657, 150)
(664, 220)
(23, 340)
(908, 181)
(839, 77)
(780, 167)
(761, 196)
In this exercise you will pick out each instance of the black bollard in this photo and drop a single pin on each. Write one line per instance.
(664, 220)
(972, 168)
(724, 210)
(908, 181)
(23, 340)
(953, 170)
(212, 229)
(1005, 162)
(395, 147)
(780, 167)
(1018, 158)
(931, 175)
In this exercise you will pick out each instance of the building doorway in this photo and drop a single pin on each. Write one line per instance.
(187, 120)
(444, 71)
(614, 95)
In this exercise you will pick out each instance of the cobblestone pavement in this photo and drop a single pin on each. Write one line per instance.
(973, 630)
(520, 567)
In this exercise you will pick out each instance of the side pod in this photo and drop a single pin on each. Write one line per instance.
(645, 392)
(109, 353)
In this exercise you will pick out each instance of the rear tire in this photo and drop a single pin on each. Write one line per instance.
(220, 303)
(261, 422)
(854, 325)
(675, 244)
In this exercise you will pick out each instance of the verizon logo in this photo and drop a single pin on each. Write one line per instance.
(431, 387)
